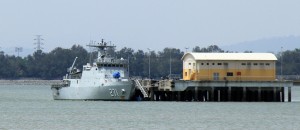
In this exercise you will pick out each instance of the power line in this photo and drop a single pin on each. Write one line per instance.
(38, 43)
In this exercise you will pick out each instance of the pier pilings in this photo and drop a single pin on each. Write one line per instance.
(220, 91)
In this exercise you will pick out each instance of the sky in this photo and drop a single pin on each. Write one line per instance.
(142, 24)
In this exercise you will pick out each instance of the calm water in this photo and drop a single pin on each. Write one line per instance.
(32, 107)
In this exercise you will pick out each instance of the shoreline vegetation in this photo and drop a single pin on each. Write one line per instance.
(53, 65)
(28, 82)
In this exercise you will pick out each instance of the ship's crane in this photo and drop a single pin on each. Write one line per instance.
(70, 69)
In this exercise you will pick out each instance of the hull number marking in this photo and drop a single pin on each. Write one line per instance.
(113, 92)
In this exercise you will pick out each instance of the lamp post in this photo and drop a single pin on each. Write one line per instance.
(186, 49)
(18, 50)
(149, 60)
(281, 60)
(170, 62)
(128, 65)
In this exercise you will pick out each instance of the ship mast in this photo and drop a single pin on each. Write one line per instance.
(102, 48)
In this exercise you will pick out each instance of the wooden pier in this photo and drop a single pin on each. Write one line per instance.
(216, 91)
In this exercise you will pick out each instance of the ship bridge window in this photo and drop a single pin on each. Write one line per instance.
(261, 63)
(267, 64)
(113, 65)
(243, 63)
(86, 68)
(219, 63)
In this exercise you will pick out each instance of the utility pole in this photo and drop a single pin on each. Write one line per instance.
(149, 61)
(38, 43)
(18, 50)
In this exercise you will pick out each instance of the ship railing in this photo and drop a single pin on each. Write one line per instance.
(77, 76)
(60, 85)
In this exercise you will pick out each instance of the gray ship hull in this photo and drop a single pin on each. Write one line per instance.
(117, 91)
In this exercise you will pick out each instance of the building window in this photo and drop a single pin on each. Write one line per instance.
(255, 64)
(243, 63)
(229, 74)
(216, 76)
(267, 64)
(219, 63)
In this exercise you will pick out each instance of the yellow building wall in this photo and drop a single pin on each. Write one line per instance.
(246, 75)
(255, 73)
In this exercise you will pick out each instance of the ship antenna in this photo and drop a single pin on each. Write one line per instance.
(91, 50)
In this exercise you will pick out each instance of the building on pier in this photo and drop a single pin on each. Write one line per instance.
(229, 66)
(223, 77)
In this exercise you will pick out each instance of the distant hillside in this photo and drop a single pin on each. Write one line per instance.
(266, 45)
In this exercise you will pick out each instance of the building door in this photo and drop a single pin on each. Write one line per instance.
(216, 76)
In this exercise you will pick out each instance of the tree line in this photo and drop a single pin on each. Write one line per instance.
(53, 65)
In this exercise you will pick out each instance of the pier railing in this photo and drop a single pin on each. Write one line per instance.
(235, 78)
(288, 77)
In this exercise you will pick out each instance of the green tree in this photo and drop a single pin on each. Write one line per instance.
(211, 48)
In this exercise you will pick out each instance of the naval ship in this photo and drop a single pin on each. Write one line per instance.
(106, 78)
